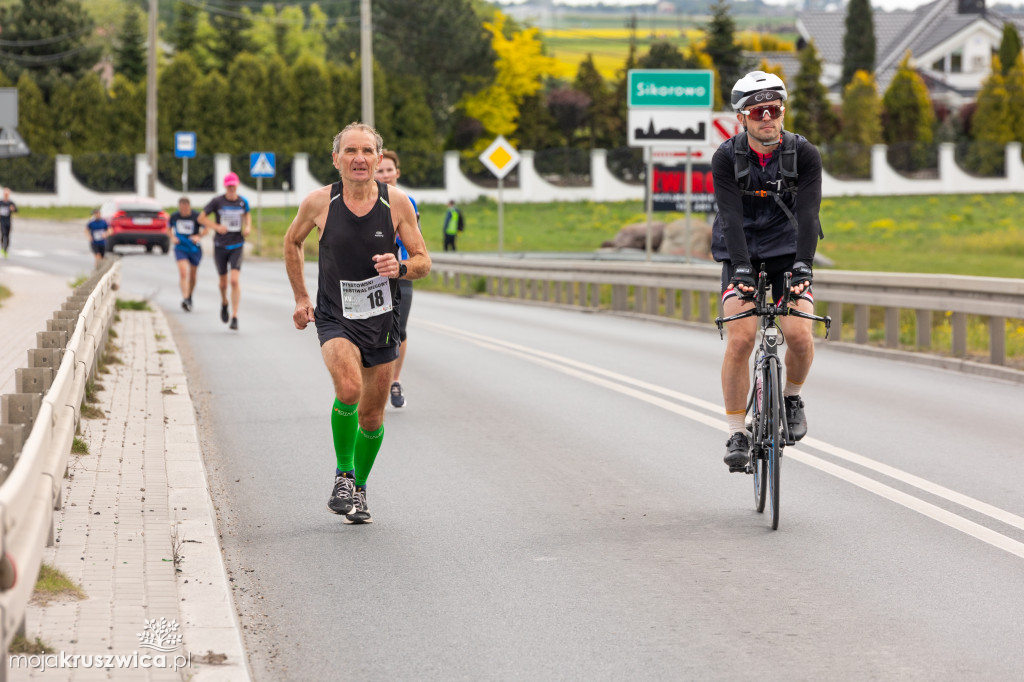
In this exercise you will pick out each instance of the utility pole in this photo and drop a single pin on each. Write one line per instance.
(151, 103)
(366, 58)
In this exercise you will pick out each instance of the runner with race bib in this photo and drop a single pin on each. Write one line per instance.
(357, 311)
(228, 216)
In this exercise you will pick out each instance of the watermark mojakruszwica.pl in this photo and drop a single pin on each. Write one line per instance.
(132, 661)
(159, 635)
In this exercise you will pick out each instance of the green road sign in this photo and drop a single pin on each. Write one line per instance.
(671, 88)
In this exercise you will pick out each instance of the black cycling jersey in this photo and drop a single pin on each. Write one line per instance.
(347, 247)
(747, 227)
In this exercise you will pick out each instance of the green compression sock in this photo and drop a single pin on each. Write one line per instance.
(367, 447)
(344, 422)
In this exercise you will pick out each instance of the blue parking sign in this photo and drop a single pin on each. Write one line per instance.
(185, 145)
(262, 164)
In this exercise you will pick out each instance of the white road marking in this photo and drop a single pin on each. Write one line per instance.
(615, 382)
(28, 253)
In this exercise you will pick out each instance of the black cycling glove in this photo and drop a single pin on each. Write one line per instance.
(801, 273)
(743, 274)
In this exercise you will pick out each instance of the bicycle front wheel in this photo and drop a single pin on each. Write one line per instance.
(759, 424)
(773, 438)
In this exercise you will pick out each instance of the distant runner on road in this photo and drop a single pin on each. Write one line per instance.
(7, 207)
(183, 227)
(228, 215)
(357, 307)
(389, 172)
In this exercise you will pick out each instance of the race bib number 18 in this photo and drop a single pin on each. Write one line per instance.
(368, 298)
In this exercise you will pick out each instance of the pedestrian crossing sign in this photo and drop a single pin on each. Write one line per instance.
(500, 157)
(262, 164)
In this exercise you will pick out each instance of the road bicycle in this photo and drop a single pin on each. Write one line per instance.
(767, 424)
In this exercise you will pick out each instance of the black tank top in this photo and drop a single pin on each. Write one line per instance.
(347, 247)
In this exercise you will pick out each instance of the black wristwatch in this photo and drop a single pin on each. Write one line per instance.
(402, 270)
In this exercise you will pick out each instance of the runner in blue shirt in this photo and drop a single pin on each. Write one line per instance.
(183, 227)
(96, 230)
(388, 172)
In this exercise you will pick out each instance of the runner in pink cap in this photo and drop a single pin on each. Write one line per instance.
(228, 216)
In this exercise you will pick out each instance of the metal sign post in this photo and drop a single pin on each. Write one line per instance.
(184, 149)
(649, 158)
(689, 198)
(500, 158)
(261, 165)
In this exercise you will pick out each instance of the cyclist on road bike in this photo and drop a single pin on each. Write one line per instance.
(768, 188)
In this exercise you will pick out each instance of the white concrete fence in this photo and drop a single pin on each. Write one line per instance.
(604, 186)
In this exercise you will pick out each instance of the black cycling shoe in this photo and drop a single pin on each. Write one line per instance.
(738, 447)
(795, 417)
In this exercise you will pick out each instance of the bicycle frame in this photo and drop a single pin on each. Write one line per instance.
(770, 430)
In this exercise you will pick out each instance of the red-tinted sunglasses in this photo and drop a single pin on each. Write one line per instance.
(773, 111)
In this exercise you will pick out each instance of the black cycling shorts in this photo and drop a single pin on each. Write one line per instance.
(775, 267)
(404, 306)
(223, 257)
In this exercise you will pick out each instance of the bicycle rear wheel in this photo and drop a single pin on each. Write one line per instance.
(773, 438)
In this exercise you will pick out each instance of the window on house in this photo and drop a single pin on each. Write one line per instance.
(939, 65)
(956, 62)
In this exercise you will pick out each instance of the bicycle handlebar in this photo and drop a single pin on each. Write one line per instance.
(764, 308)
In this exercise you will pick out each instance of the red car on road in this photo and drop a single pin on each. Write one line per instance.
(136, 220)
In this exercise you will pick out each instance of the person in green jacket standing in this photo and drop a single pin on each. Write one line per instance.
(452, 225)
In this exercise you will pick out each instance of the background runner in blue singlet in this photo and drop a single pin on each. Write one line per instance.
(388, 172)
(183, 227)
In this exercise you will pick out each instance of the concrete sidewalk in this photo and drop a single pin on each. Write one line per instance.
(137, 531)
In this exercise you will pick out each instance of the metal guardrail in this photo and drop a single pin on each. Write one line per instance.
(687, 291)
(37, 426)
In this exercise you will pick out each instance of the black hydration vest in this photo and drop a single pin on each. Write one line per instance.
(786, 180)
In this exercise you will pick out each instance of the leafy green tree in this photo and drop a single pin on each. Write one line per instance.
(230, 29)
(442, 43)
(569, 108)
(63, 111)
(1009, 47)
(35, 120)
(725, 52)
(282, 100)
(1015, 91)
(812, 113)
(859, 40)
(244, 127)
(599, 120)
(131, 48)
(213, 108)
(662, 55)
(47, 38)
(313, 121)
(184, 30)
(620, 99)
(521, 69)
(128, 120)
(89, 126)
(415, 137)
(908, 113)
(177, 98)
(537, 128)
(862, 124)
(991, 125)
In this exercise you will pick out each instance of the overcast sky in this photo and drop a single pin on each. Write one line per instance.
(883, 4)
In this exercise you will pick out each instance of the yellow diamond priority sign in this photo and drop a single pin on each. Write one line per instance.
(500, 157)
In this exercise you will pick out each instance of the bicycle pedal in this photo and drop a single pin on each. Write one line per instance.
(745, 469)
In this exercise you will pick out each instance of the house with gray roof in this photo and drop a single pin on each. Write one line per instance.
(951, 44)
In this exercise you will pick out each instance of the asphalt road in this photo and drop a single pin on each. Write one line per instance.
(552, 503)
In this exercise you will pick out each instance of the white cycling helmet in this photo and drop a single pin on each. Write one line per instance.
(757, 87)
